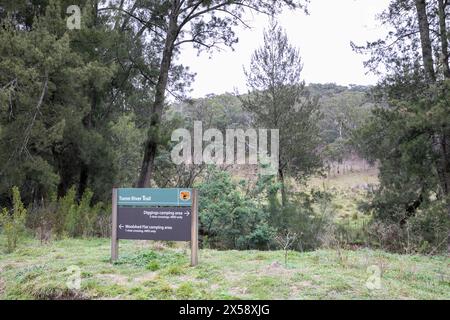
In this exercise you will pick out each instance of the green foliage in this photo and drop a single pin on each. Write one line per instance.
(401, 138)
(229, 217)
(80, 219)
(425, 232)
(169, 174)
(152, 260)
(153, 265)
(274, 79)
(60, 89)
(13, 223)
(408, 133)
(74, 116)
(128, 151)
(220, 274)
(28, 68)
(300, 217)
(238, 216)
(68, 211)
(215, 111)
(344, 109)
(68, 217)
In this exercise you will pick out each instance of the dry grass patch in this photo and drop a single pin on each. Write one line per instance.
(114, 278)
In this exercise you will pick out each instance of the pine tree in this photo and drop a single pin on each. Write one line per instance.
(410, 131)
(279, 100)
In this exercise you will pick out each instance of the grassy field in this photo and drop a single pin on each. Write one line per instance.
(347, 190)
(149, 270)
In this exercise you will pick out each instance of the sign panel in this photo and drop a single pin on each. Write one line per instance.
(175, 197)
(155, 214)
(164, 223)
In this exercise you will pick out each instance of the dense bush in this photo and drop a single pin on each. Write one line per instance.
(424, 233)
(67, 217)
(229, 217)
(243, 215)
(13, 222)
(308, 216)
(239, 216)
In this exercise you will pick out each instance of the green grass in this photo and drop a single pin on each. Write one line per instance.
(347, 192)
(148, 270)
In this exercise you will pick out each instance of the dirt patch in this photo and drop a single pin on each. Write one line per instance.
(110, 298)
(295, 291)
(238, 291)
(276, 269)
(189, 278)
(65, 295)
(298, 288)
(146, 277)
(305, 284)
(114, 278)
(2, 283)
(2, 286)
(214, 287)
(13, 265)
(49, 293)
(232, 276)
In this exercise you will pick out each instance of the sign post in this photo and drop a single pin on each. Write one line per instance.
(194, 229)
(114, 239)
(155, 214)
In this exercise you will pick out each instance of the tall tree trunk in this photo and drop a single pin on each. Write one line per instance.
(444, 172)
(83, 180)
(151, 144)
(424, 29)
(445, 148)
(427, 55)
(448, 236)
(87, 122)
(283, 187)
(444, 37)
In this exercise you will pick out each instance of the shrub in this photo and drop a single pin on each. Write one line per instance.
(309, 216)
(229, 217)
(103, 221)
(424, 233)
(260, 238)
(81, 219)
(239, 216)
(76, 215)
(13, 223)
(65, 219)
(87, 215)
(153, 265)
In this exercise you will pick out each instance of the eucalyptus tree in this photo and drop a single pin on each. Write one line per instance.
(206, 24)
